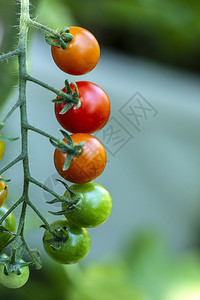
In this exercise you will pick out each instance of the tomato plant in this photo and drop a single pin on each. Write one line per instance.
(86, 167)
(93, 113)
(1, 149)
(94, 205)
(74, 247)
(14, 280)
(81, 55)
(3, 192)
(9, 223)
(81, 108)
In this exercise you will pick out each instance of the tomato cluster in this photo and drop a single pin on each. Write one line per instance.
(88, 203)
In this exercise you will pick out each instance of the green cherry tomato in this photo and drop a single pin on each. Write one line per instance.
(14, 281)
(93, 208)
(74, 249)
(9, 223)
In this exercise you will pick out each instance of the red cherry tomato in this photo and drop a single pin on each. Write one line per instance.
(93, 113)
(86, 167)
(81, 55)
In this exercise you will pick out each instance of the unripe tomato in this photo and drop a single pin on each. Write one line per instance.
(93, 208)
(93, 113)
(2, 147)
(74, 249)
(86, 167)
(3, 192)
(9, 223)
(13, 280)
(81, 55)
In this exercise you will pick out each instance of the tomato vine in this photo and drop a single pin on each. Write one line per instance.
(58, 234)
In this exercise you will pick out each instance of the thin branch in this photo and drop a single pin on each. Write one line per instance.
(44, 187)
(20, 228)
(11, 209)
(11, 164)
(15, 106)
(31, 254)
(32, 128)
(41, 27)
(48, 227)
(10, 54)
(50, 88)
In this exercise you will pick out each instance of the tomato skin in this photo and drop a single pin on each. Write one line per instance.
(74, 249)
(93, 209)
(93, 113)
(82, 54)
(2, 148)
(3, 192)
(86, 167)
(9, 223)
(13, 280)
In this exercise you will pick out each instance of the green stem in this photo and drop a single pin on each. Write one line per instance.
(44, 187)
(22, 46)
(41, 27)
(48, 227)
(39, 131)
(15, 106)
(31, 254)
(12, 163)
(10, 54)
(20, 228)
(11, 209)
(50, 88)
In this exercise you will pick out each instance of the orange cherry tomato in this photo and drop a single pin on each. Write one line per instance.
(86, 167)
(81, 55)
(3, 192)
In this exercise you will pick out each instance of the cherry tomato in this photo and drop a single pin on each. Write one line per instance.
(74, 249)
(81, 55)
(93, 208)
(86, 167)
(2, 147)
(13, 280)
(93, 113)
(3, 192)
(9, 223)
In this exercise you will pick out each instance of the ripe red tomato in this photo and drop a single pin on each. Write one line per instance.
(86, 167)
(93, 113)
(81, 55)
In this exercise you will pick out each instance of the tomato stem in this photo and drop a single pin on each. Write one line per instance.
(10, 54)
(41, 27)
(67, 97)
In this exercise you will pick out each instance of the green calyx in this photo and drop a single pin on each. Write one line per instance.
(72, 201)
(57, 239)
(68, 98)
(15, 262)
(70, 148)
(59, 39)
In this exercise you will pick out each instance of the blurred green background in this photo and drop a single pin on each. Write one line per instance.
(149, 247)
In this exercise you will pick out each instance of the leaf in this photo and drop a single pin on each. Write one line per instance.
(66, 108)
(67, 137)
(5, 138)
(68, 88)
(59, 100)
(20, 251)
(63, 212)
(76, 93)
(4, 180)
(67, 162)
